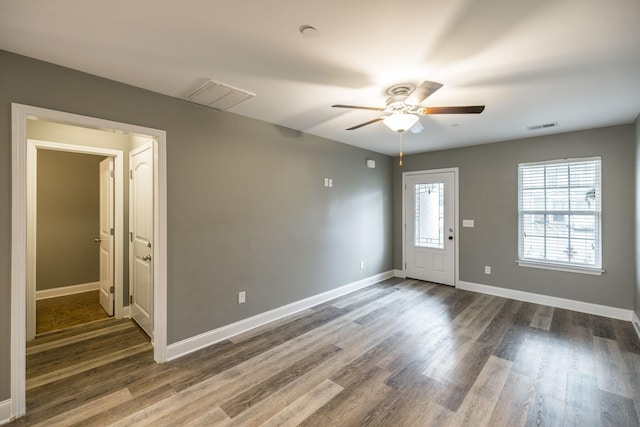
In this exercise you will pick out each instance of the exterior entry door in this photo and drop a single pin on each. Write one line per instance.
(106, 235)
(141, 236)
(430, 227)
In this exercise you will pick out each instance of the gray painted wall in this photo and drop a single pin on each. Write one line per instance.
(637, 217)
(68, 219)
(489, 195)
(247, 209)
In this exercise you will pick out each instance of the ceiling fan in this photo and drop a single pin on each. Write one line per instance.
(403, 106)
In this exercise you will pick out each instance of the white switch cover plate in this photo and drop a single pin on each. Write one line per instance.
(468, 223)
(242, 297)
(487, 269)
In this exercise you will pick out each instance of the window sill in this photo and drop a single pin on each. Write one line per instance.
(559, 267)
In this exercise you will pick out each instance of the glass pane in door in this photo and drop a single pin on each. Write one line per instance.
(429, 226)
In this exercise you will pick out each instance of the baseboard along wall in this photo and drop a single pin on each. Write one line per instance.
(67, 290)
(5, 411)
(189, 345)
(583, 307)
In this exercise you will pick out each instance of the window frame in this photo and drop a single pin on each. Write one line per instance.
(553, 265)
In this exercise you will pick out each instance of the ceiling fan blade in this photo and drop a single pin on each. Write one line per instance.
(366, 123)
(422, 92)
(471, 109)
(358, 107)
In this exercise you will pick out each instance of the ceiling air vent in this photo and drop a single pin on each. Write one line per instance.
(544, 126)
(219, 95)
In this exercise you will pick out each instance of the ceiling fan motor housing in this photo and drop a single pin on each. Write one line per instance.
(399, 94)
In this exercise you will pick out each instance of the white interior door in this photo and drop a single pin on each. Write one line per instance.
(141, 244)
(430, 227)
(106, 235)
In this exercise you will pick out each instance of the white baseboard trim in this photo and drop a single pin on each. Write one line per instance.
(67, 290)
(126, 312)
(5, 411)
(583, 307)
(636, 324)
(399, 273)
(206, 339)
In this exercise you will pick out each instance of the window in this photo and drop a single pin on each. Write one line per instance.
(559, 214)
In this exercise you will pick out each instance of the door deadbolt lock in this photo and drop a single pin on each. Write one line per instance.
(450, 237)
(146, 258)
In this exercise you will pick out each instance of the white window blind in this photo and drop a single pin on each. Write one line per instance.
(559, 206)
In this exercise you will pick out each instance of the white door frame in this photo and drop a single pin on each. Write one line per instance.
(19, 115)
(32, 147)
(455, 219)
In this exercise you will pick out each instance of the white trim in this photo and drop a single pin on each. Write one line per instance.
(126, 312)
(456, 219)
(19, 115)
(67, 290)
(118, 155)
(636, 323)
(583, 307)
(399, 273)
(559, 267)
(5, 411)
(205, 339)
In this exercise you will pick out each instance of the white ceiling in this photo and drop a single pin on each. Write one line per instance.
(575, 62)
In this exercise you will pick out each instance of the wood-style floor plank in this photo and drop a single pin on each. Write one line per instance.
(399, 353)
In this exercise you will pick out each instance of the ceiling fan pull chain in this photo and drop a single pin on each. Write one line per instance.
(400, 163)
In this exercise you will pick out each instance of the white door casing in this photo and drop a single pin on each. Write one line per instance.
(22, 230)
(141, 240)
(430, 227)
(107, 235)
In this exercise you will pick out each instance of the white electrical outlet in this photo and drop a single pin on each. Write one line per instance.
(242, 297)
(361, 265)
(487, 269)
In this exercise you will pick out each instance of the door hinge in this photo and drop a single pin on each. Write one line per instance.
(405, 265)
(130, 299)
(131, 174)
(112, 231)
(111, 290)
(131, 236)
(111, 174)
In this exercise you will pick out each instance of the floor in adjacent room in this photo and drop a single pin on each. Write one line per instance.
(57, 313)
(399, 353)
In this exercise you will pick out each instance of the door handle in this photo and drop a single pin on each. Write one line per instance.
(450, 237)
(97, 240)
(146, 258)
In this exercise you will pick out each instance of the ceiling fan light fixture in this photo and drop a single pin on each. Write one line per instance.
(400, 122)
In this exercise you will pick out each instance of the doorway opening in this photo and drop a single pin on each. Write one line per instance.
(43, 248)
(22, 270)
(74, 253)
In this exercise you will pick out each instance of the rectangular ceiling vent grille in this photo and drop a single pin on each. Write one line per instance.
(544, 126)
(219, 95)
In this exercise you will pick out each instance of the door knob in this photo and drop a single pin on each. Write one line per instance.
(97, 240)
(146, 258)
(450, 237)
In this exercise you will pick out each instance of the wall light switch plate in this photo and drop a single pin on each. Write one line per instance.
(468, 223)
(242, 297)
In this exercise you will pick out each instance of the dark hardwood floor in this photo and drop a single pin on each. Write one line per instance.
(400, 353)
